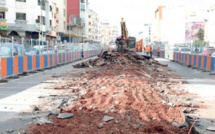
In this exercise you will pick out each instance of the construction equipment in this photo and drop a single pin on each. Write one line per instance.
(126, 42)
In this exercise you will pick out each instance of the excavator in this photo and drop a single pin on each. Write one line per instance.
(126, 42)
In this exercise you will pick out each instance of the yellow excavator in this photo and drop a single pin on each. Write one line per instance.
(126, 42)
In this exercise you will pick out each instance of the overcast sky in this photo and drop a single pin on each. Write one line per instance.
(136, 12)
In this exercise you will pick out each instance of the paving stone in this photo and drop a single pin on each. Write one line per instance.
(10, 131)
(42, 121)
(101, 125)
(211, 129)
(65, 116)
(176, 124)
(122, 116)
(108, 118)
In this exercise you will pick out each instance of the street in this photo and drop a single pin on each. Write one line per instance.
(18, 95)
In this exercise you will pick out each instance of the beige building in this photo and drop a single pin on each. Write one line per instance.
(114, 33)
(59, 17)
(109, 33)
(94, 33)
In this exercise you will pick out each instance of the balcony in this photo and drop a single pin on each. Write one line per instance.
(3, 20)
(2, 2)
(21, 21)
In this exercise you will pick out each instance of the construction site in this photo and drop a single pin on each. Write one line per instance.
(106, 83)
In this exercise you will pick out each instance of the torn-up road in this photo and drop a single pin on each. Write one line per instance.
(115, 93)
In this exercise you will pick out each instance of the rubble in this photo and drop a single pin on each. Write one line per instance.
(65, 116)
(121, 89)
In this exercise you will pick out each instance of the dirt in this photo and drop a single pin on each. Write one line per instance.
(117, 87)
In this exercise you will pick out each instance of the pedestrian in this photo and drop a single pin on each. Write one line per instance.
(147, 50)
(158, 51)
(150, 49)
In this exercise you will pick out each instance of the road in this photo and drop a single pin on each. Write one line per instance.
(203, 86)
(18, 95)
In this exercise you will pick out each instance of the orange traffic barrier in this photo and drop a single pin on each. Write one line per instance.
(41, 61)
(192, 60)
(25, 62)
(49, 60)
(4, 67)
(202, 61)
(34, 62)
(197, 61)
(15, 65)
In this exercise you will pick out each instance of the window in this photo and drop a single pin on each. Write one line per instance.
(2, 15)
(20, 16)
(39, 2)
(21, 0)
(44, 20)
(50, 8)
(82, 1)
(50, 22)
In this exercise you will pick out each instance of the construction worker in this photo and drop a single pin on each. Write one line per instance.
(119, 43)
(158, 51)
(150, 49)
(147, 50)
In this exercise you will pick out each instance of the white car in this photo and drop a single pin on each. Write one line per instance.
(213, 54)
(185, 50)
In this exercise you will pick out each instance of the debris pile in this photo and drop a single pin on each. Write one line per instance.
(118, 93)
(126, 58)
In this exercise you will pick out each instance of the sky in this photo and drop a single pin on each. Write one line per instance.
(137, 12)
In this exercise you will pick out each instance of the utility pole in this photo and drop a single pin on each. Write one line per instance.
(41, 18)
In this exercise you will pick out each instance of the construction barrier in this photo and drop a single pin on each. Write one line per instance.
(194, 60)
(13, 66)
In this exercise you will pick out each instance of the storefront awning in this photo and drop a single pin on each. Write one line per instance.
(3, 9)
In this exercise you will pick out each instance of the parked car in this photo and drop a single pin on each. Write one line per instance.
(208, 52)
(31, 52)
(113, 47)
(49, 51)
(185, 50)
(213, 54)
(6, 50)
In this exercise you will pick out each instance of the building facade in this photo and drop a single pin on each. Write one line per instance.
(79, 9)
(94, 27)
(21, 18)
(114, 33)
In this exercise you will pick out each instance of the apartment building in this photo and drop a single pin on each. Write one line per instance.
(79, 9)
(94, 27)
(21, 18)
(114, 33)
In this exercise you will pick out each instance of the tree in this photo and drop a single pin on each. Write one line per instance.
(200, 34)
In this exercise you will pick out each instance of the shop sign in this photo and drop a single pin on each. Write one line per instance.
(3, 26)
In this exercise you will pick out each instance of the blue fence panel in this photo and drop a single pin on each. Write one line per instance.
(213, 64)
(200, 61)
(59, 58)
(64, 57)
(20, 64)
(30, 63)
(205, 62)
(190, 59)
(10, 66)
(38, 61)
(51, 60)
(195, 60)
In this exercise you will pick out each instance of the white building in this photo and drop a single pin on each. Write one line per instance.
(169, 25)
(84, 16)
